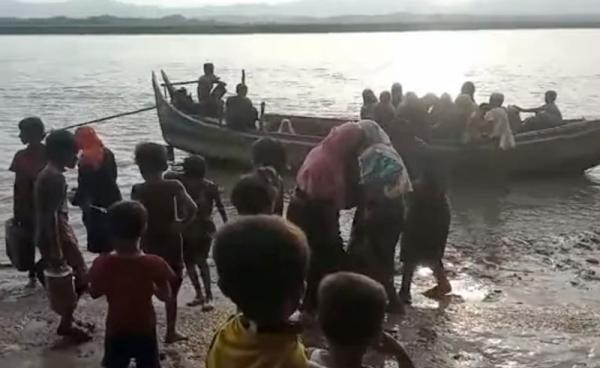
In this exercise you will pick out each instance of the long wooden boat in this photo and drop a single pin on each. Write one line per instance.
(567, 149)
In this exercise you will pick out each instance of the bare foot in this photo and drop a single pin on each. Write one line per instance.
(74, 334)
(438, 292)
(208, 306)
(405, 298)
(395, 308)
(196, 302)
(174, 337)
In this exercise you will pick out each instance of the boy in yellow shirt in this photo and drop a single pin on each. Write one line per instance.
(261, 264)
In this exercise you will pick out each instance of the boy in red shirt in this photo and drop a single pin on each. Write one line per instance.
(129, 278)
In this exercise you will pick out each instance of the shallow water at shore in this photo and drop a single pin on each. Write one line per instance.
(522, 255)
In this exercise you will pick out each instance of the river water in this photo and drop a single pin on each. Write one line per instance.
(522, 255)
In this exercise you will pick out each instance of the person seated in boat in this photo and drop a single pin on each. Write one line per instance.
(384, 110)
(369, 103)
(397, 95)
(209, 102)
(546, 116)
(499, 123)
(413, 110)
(453, 123)
(240, 114)
(428, 101)
(476, 125)
(182, 100)
(468, 88)
(441, 109)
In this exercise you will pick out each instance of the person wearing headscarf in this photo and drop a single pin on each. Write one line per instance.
(379, 219)
(326, 183)
(428, 101)
(367, 110)
(468, 88)
(499, 121)
(453, 124)
(97, 187)
(414, 111)
(397, 95)
(384, 111)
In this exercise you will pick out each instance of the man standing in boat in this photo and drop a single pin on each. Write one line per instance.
(209, 99)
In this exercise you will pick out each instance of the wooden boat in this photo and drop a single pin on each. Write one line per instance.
(567, 149)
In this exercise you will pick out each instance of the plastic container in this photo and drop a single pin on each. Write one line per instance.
(60, 286)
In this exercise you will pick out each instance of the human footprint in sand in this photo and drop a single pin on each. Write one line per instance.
(426, 233)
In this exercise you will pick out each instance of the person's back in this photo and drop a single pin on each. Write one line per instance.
(261, 262)
(159, 198)
(240, 113)
(128, 283)
(128, 278)
(384, 111)
(270, 153)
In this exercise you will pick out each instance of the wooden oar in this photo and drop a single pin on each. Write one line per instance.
(180, 83)
(95, 121)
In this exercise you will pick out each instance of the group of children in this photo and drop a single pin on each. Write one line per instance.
(263, 261)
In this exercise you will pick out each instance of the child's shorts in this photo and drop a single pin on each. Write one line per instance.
(119, 350)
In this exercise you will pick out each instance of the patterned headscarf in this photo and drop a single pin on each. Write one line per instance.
(381, 167)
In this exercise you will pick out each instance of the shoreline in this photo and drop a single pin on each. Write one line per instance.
(274, 28)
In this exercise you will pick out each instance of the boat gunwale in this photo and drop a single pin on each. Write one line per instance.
(569, 131)
(207, 123)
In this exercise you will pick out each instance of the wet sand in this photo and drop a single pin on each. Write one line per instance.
(523, 261)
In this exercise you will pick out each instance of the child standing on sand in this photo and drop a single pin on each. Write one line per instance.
(253, 195)
(351, 312)
(128, 278)
(163, 198)
(261, 262)
(197, 238)
(26, 165)
(269, 153)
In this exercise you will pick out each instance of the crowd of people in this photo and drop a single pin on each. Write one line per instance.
(271, 262)
(462, 120)
(238, 111)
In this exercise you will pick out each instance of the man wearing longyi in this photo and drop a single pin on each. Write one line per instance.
(61, 257)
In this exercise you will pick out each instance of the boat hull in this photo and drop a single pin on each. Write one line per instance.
(568, 149)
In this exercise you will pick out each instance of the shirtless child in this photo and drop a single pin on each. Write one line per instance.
(54, 236)
(197, 238)
(165, 201)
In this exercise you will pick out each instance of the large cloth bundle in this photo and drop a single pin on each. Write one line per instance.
(19, 246)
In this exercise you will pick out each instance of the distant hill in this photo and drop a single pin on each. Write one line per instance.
(176, 24)
(299, 8)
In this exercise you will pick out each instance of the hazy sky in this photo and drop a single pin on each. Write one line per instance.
(179, 2)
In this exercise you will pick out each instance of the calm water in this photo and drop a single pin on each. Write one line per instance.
(70, 79)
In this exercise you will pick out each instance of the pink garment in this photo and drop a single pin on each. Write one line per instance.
(323, 173)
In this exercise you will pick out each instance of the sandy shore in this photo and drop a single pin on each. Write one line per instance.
(505, 311)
